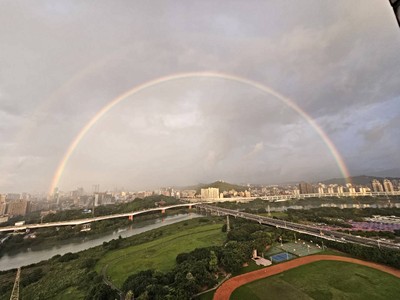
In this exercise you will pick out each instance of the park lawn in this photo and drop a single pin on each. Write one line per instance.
(159, 254)
(323, 280)
(70, 293)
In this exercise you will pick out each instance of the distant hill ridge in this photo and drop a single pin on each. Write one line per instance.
(221, 185)
(361, 180)
(224, 186)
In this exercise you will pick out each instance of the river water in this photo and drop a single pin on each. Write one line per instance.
(78, 244)
(38, 253)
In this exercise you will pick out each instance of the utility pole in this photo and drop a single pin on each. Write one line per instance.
(15, 291)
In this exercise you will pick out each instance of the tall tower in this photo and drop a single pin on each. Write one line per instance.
(387, 184)
(305, 188)
(376, 185)
(95, 188)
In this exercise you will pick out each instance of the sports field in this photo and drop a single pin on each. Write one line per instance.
(323, 280)
(283, 256)
(159, 254)
(301, 248)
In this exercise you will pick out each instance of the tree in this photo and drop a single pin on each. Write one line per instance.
(213, 263)
(101, 292)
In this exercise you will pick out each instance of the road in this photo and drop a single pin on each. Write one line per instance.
(279, 198)
(90, 220)
(301, 228)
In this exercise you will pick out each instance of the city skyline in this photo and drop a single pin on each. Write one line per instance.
(61, 65)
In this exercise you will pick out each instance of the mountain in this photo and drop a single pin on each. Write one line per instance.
(221, 185)
(362, 180)
(395, 173)
(224, 186)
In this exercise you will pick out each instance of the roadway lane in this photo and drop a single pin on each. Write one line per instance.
(302, 228)
(90, 220)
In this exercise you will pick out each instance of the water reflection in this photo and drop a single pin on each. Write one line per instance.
(39, 253)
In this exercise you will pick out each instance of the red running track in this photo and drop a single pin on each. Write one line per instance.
(225, 290)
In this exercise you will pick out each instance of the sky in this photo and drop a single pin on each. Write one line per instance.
(61, 62)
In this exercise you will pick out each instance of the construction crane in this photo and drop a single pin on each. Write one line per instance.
(15, 291)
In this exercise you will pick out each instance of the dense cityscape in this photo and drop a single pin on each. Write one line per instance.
(15, 204)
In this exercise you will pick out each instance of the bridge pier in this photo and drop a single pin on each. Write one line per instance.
(228, 227)
(163, 211)
(130, 218)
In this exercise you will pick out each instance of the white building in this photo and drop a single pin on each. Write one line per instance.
(387, 184)
(210, 193)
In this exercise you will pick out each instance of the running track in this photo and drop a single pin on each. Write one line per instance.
(225, 290)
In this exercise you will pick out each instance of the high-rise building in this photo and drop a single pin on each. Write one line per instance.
(13, 196)
(340, 189)
(3, 207)
(95, 188)
(210, 193)
(387, 184)
(376, 186)
(18, 207)
(306, 188)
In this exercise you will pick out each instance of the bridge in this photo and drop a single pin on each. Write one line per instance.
(296, 227)
(300, 228)
(278, 198)
(130, 215)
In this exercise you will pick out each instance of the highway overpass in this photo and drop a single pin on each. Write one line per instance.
(279, 198)
(296, 227)
(300, 228)
(94, 219)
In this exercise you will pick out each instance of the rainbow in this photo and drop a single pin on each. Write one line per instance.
(325, 138)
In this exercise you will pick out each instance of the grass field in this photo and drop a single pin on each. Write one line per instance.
(159, 254)
(70, 293)
(323, 280)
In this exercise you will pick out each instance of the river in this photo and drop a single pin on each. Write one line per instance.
(78, 244)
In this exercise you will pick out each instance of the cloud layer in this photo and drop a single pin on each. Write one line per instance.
(61, 62)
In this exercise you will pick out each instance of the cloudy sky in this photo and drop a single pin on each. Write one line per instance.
(62, 61)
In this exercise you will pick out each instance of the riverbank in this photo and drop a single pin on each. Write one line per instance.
(77, 271)
(53, 246)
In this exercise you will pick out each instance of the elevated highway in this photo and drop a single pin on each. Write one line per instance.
(296, 227)
(300, 228)
(279, 198)
(94, 219)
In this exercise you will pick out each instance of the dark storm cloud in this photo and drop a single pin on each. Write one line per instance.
(62, 61)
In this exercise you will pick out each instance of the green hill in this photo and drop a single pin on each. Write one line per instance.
(222, 186)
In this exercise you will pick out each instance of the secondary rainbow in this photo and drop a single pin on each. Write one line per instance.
(332, 148)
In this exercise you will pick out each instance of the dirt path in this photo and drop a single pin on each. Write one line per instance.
(108, 282)
(224, 291)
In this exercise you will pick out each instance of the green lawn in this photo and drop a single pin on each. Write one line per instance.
(159, 254)
(323, 280)
(70, 293)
